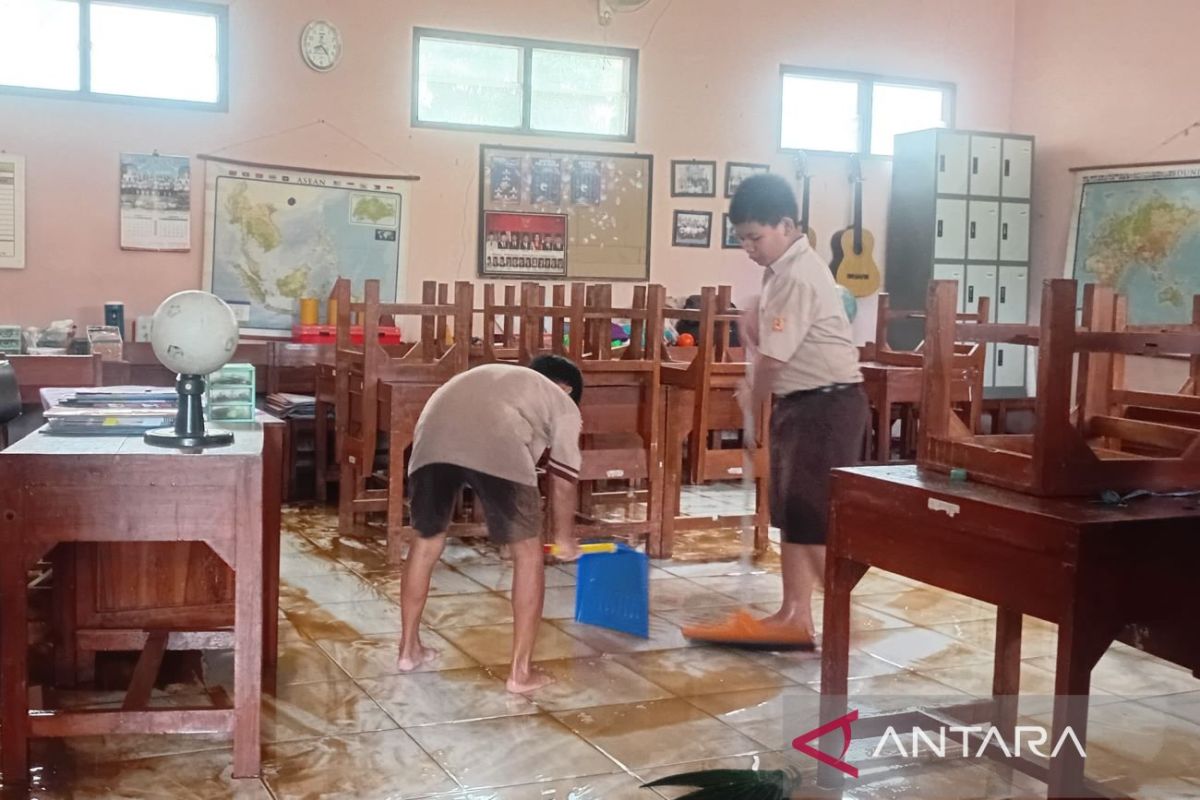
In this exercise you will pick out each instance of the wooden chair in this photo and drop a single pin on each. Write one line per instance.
(498, 332)
(701, 404)
(622, 398)
(1112, 395)
(1078, 452)
(380, 391)
(892, 379)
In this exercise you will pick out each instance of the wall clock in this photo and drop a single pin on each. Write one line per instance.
(321, 45)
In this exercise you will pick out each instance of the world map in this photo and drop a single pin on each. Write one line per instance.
(275, 242)
(1140, 235)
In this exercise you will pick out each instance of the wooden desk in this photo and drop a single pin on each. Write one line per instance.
(1093, 570)
(118, 489)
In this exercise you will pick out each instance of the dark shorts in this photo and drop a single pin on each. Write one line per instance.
(513, 511)
(811, 434)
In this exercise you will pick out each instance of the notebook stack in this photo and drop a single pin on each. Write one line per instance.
(284, 405)
(112, 412)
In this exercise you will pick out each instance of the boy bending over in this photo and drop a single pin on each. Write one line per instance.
(488, 428)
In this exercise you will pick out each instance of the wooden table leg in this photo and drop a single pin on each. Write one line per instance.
(841, 575)
(883, 436)
(271, 513)
(14, 655)
(1084, 634)
(662, 544)
(321, 452)
(248, 629)
(399, 438)
(1006, 672)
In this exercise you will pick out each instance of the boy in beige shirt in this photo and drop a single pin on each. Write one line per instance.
(489, 428)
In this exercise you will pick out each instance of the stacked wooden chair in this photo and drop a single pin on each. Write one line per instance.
(622, 399)
(701, 406)
(892, 380)
(379, 391)
(1079, 448)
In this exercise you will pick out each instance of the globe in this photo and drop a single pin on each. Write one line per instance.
(194, 333)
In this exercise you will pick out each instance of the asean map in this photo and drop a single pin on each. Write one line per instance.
(277, 236)
(1138, 232)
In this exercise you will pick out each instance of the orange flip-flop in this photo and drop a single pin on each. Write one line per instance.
(743, 630)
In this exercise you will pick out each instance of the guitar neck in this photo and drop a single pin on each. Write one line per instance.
(858, 229)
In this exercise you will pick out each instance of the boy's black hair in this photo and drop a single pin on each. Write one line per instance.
(560, 370)
(765, 199)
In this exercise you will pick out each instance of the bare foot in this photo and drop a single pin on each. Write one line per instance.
(420, 654)
(530, 681)
(504, 554)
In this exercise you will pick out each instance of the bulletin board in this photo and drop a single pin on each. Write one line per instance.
(596, 204)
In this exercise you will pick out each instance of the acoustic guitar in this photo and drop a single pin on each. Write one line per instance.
(805, 181)
(853, 261)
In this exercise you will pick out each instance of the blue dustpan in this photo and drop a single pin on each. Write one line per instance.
(612, 590)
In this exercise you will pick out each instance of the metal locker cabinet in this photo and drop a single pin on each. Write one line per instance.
(983, 230)
(953, 158)
(985, 166)
(950, 229)
(981, 282)
(1016, 168)
(1014, 231)
(953, 272)
(1010, 365)
(1012, 298)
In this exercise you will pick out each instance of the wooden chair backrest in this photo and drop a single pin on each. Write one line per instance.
(499, 328)
(361, 367)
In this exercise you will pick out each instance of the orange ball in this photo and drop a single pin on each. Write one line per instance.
(687, 340)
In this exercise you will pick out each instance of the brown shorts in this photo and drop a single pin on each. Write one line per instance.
(812, 433)
(513, 511)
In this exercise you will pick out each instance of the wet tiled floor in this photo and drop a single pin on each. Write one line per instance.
(346, 724)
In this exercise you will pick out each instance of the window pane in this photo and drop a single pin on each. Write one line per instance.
(148, 52)
(820, 114)
(469, 83)
(41, 44)
(900, 109)
(577, 92)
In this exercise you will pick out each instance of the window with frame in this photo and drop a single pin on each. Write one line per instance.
(157, 51)
(523, 85)
(849, 112)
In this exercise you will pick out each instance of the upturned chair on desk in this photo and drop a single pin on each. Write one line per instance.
(380, 392)
(622, 398)
(702, 404)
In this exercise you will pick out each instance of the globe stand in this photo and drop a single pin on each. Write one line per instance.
(189, 429)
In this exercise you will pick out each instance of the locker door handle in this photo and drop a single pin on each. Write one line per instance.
(972, 230)
(970, 294)
(975, 165)
(1004, 231)
(939, 233)
(1000, 359)
(1006, 167)
(941, 163)
(1002, 288)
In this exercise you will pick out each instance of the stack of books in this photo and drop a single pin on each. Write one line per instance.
(112, 412)
(284, 405)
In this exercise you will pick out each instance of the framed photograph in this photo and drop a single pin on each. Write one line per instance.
(730, 240)
(524, 244)
(546, 186)
(505, 179)
(693, 179)
(736, 172)
(692, 229)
